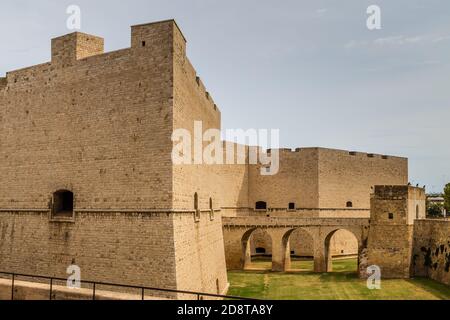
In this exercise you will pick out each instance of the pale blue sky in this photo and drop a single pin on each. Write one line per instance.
(309, 68)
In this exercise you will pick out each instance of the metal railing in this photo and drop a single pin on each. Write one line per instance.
(95, 284)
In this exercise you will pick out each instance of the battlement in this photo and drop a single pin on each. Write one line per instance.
(204, 91)
(75, 46)
(399, 192)
(146, 39)
(359, 155)
(146, 34)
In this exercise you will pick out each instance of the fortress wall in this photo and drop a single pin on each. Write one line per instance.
(124, 248)
(234, 186)
(344, 177)
(295, 182)
(431, 250)
(99, 126)
(344, 213)
(226, 185)
(199, 245)
(192, 103)
(199, 253)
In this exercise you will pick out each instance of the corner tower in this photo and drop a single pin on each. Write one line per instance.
(394, 210)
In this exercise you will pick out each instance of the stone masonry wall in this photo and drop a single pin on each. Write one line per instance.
(349, 177)
(199, 253)
(199, 246)
(431, 250)
(390, 240)
(295, 182)
(124, 248)
(326, 179)
(99, 126)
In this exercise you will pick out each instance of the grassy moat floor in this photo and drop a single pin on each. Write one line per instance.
(341, 284)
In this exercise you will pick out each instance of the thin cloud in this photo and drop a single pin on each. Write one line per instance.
(321, 12)
(395, 41)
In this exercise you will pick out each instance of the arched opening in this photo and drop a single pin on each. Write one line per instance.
(341, 251)
(261, 205)
(257, 250)
(349, 204)
(197, 211)
(62, 203)
(217, 286)
(299, 246)
(196, 201)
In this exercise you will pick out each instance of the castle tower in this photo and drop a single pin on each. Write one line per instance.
(86, 168)
(393, 212)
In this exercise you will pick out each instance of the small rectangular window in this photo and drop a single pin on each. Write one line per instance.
(261, 205)
(292, 206)
(391, 216)
(62, 204)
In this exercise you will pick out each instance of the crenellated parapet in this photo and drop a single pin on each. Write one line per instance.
(75, 46)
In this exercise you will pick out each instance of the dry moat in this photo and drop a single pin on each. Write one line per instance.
(341, 284)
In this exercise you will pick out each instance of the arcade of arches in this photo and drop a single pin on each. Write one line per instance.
(282, 242)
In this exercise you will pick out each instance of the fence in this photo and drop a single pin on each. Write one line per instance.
(94, 284)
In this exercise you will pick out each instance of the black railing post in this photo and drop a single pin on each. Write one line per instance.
(51, 287)
(93, 292)
(12, 287)
(143, 293)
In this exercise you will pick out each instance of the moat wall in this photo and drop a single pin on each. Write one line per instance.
(431, 250)
(114, 247)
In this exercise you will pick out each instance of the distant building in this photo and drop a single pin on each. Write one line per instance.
(437, 199)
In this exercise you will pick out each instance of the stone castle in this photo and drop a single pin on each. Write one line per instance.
(87, 178)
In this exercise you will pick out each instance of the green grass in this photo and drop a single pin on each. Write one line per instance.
(341, 284)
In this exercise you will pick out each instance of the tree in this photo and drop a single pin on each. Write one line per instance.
(447, 197)
(434, 209)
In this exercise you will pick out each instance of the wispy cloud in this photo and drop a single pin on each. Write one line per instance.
(321, 12)
(441, 38)
(399, 40)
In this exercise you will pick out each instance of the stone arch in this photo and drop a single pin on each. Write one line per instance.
(328, 254)
(287, 245)
(261, 243)
(246, 256)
